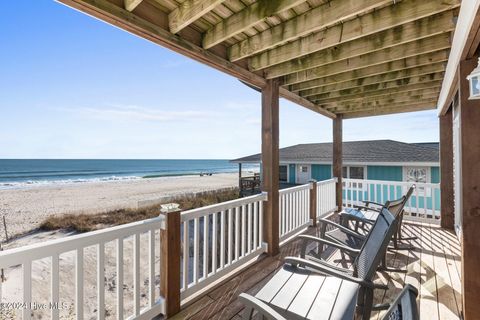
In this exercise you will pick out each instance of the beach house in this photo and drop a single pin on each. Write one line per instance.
(341, 59)
(373, 160)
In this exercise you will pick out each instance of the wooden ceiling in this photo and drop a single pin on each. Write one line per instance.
(353, 58)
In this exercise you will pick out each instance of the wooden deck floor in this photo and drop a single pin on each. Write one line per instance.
(433, 268)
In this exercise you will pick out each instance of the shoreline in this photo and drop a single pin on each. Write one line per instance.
(24, 209)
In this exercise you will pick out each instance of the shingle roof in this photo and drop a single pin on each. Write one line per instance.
(355, 152)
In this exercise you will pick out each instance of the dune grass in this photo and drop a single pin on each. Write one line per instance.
(84, 222)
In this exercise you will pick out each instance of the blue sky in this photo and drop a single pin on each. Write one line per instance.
(74, 87)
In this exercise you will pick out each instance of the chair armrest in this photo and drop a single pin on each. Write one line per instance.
(295, 261)
(306, 238)
(343, 228)
(367, 203)
(261, 307)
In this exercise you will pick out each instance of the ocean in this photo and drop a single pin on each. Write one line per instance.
(24, 173)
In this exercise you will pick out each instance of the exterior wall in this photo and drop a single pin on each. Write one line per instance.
(321, 172)
(388, 173)
(292, 173)
(435, 174)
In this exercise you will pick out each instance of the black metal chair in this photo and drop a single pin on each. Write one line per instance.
(303, 288)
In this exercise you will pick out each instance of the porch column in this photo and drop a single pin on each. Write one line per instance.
(470, 192)
(337, 158)
(446, 171)
(270, 164)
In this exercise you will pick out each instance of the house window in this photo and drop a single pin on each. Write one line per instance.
(283, 173)
(353, 172)
(357, 173)
(303, 168)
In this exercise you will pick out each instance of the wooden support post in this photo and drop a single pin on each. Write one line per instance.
(470, 193)
(270, 164)
(446, 171)
(170, 261)
(313, 203)
(337, 158)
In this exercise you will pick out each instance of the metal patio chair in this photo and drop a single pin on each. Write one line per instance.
(363, 217)
(306, 289)
(403, 308)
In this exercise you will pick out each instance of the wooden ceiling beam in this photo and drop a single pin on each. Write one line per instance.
(329, 74)
(408, 97)
(130, 5)
(438, 76)
(403, 13)
(404, 34)
(188, 12)
(247, 18)
(398, 69)
(393, 109)
(336, 97)
(316, 19)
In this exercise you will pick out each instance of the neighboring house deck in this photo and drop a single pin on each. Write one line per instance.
(433, 267)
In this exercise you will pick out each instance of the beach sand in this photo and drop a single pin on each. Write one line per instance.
(25, 209)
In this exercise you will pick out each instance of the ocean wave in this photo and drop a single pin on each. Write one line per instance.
(40, 183)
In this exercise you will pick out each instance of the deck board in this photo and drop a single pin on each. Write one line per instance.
(433, 267)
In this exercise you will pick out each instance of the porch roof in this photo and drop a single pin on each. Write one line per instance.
(344, 57)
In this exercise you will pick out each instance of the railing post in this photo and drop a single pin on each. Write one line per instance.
(170, 244)
(313, 202)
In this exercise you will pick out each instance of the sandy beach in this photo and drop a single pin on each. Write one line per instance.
(24, 209)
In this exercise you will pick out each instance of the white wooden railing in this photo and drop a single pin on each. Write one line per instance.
(117, 239)
(424, 204)
(326, 201)
(218, 239)
(294, 210)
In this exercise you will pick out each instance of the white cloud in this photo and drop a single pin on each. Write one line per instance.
(138, 113)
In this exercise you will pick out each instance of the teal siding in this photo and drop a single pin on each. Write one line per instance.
(321, 172)
(291, 173)
(435, 174)
(387, 173)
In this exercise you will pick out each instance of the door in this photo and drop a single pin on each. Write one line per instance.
(303, 173)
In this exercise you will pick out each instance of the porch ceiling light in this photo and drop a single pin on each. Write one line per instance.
(474, 79)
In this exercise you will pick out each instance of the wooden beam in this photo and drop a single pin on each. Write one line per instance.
(316, 19)
(469, 189)
(295, 98)
(245, 19)
(188, 12)
(313, 203)
(270, 164)
(387, 100)
(467, 26)
(414, 29)
(388, 70)
(158, 34)
(447, 210)
(381, 111)
(392, 38)
(358, 88)
(336, 97)
(384, 56)
(338, 158)
(130, 5)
